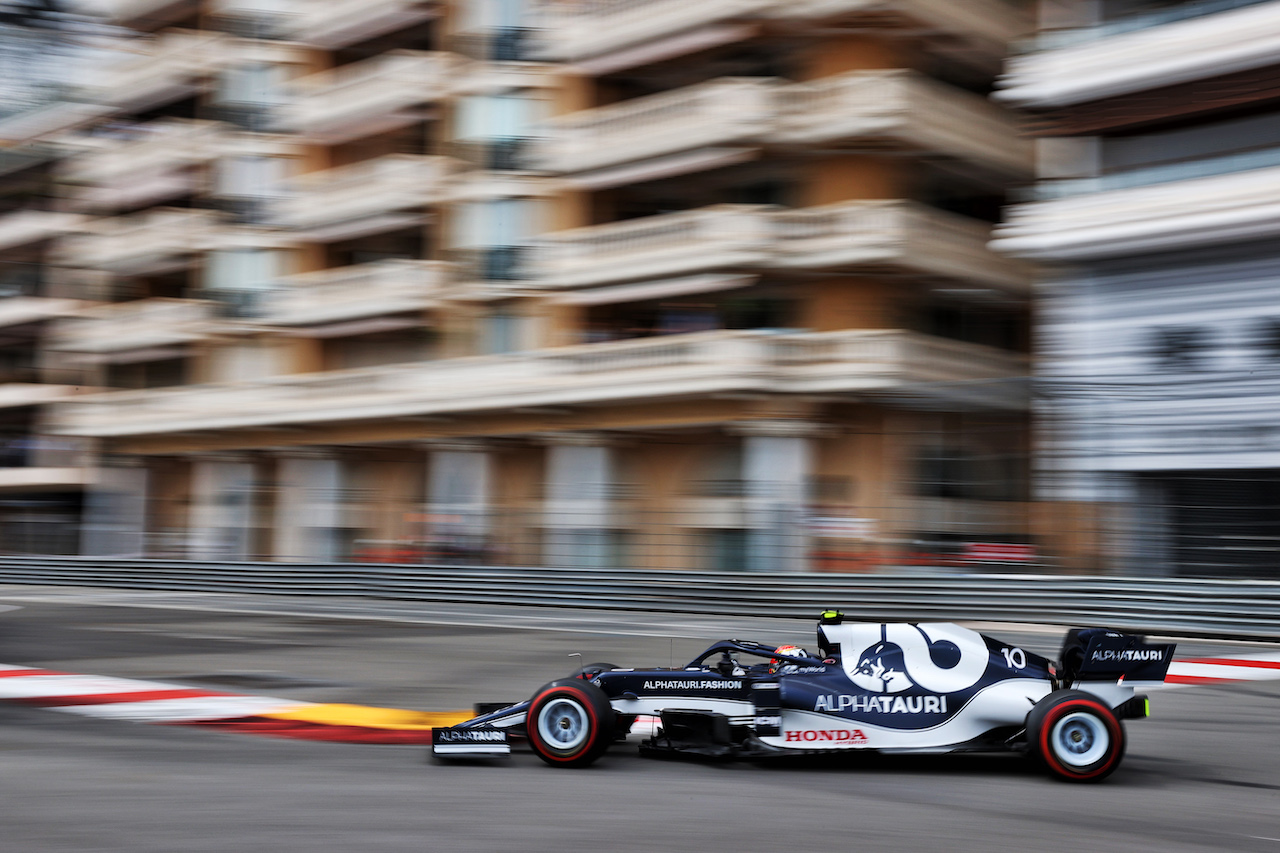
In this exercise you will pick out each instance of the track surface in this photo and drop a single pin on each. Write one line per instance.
(1203, 774)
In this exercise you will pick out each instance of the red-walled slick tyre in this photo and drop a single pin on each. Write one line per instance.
(1075, 736)
(570, 723)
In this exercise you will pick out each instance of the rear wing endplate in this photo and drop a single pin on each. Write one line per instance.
(1110, 656)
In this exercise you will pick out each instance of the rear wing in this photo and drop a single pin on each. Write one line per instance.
(1096, 654)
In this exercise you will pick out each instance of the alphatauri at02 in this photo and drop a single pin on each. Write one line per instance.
(890, 688)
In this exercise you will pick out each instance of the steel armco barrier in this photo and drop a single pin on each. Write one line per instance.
(1225, 608)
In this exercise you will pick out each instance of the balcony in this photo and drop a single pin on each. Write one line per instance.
(1155, 57)
(160, 240)
(356, 292)
(19, 395)
(369, 97)
(40, 462)
(373, 194)
(905, 366)
(608, 26)
(492, 264)
(899, 235)
(613, 33)
(26, 310)
(725, 112)
(331, 24)
(23, 227)
(903, 109)
(176, 65)
(978, 31)
(142, 324)
(894, 365)
(45, 120)
(141, 14)
(158, 164)
(853, 236)
(160, 145)
(728, 236)
(1159, 218)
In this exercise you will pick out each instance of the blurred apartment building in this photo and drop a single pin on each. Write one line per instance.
(622, 282)
(1159, 359)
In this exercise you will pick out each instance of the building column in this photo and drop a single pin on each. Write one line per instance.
(308, 502)
(777, 459)
(115, 512)
(459, 476)
(222, 489)
(577, 515)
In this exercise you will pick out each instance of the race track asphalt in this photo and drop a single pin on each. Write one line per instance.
(1203, 774)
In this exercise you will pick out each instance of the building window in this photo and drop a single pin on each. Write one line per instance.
(503, 331)
(237, 279)
(1268, 336)
(1179, 347)
(945, 472)
(958, 473)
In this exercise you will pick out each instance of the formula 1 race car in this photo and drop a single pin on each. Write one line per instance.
(890, 688)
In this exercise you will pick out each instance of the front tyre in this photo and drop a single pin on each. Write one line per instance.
(1078, 738)
(570, 723)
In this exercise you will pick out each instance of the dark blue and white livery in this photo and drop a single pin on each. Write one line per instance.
(892, 687)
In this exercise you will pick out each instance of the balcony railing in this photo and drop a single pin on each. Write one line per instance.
(133, 325)
(177, 64)
(163, 145)
(126, 12)
(902, 108)
(369, 96)
(40, 462)
(899, 234)
(493, 263)
(992, 24)
(728, 111)
(162, 238)
(893, 108)
(348, 293)
(497, 44)
(36, 392)
(711, 238)
(1177, 52)
(21, 310)
(505, 154)
(33, 226)
(1139, 20)
(602, 27)
(904, 360)
(848, 236)
(1162, 217)
(382, 185)
(861, 363)
(336, 23)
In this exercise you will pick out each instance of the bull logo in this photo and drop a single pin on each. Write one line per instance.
(881, 669)
(895, 657)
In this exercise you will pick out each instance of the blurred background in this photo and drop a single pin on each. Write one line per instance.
(747, 285)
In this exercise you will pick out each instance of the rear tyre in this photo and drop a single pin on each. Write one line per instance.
(1075, 736)
(570, 723)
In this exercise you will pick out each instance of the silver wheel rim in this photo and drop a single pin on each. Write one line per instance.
(563, 725)
(1080, 739)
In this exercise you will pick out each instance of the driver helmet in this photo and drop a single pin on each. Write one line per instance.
(790, 651)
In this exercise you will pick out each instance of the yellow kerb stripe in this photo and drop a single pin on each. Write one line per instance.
(372, 718)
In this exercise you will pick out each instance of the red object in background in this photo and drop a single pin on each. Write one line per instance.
(998, 552)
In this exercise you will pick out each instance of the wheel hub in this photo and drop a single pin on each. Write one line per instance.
(1080, 739)
(563, 724)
